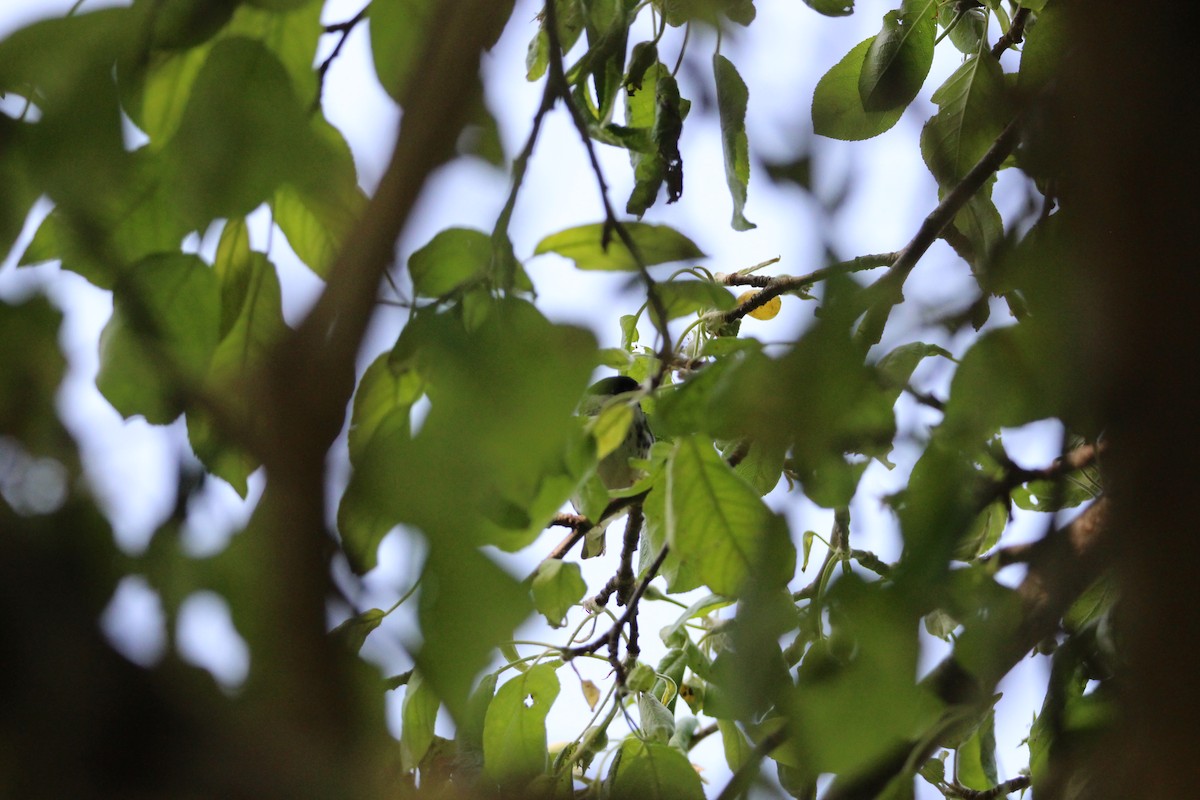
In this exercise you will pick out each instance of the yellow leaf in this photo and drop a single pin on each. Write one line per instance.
(591, 693)
(768, 310)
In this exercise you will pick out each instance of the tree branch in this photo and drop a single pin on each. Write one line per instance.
(887, 292)
(344, 28)
(773, 286)
(1065, 564)
(307, 383)
(556, 77)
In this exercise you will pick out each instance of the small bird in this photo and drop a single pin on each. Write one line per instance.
(615, 470)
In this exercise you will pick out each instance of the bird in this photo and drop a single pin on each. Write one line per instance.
(615, 472)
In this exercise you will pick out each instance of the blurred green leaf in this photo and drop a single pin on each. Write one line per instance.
(162, 335)
(734, 743)
(251, 325)
(656, 244)
(317, 210)
(452, 258)
(417, 718)
(857, 698)
(399, 30)
(557, 586)
(975, 759)
(353, 632)
(653, 771)
(33, 367)
(514, 731)
(832, 8)
(242, 135)
(1004, 381)
(683, 297)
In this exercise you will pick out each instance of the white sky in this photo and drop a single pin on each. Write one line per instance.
(781, 57)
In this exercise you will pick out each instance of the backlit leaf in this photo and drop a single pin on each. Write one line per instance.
(656, 244)
(718, 524)
(514, 731)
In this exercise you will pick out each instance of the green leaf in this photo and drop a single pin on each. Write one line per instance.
(658, 723)
(557, 586)
(399, 31)
(32, 365)
(468, 734)
(731, 106)
(857, 702)
(161, 337)
(973, 109)
(1005, 380)
(718, 524)
(655, 118)
(385, 395)
(984, 532)
(1046, 44)
(832, 8)
(838, 111)
(251, 325)
(354, 631)
(653, 771)
(896, 368)
(899, 57)
(679, 575)
(19, 194)
(417, 717)
(459, 633)
(450, 259)
(970, 29)
(656, 244)
(317, 211)
(155, 90)
(977, 232)
(975, 759)
(243, 134)
(738, 749)
(683, 297)
(514, 730)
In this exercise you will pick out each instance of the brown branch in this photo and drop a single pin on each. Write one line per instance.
(887, 292)
(556, 77)
(307, 383)
(612, 637)
(773, 286)
(1014, 35)
(1065, 564)
(1004, 789)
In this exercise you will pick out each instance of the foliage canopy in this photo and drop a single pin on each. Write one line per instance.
(465, 431)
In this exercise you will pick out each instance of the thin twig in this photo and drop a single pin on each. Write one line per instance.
(612, 637)
(887, 292)
(344, 28)
(612, 224)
